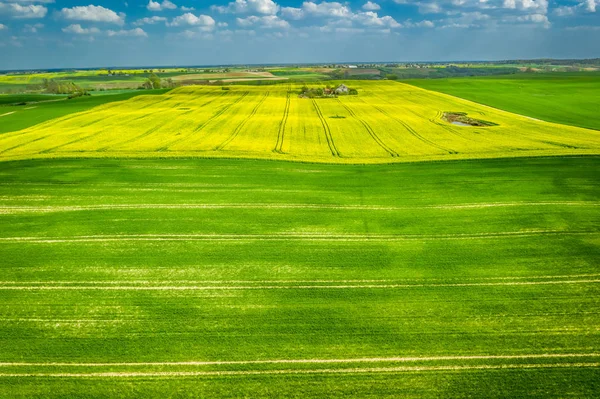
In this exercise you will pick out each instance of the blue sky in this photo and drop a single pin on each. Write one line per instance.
(89, 33)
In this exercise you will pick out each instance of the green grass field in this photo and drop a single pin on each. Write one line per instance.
(386, 122)
(569, 98)
(17, 117)
(241, 278)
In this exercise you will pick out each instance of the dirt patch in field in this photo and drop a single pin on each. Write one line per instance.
(225, 75)
(461, 119)
(362, 71)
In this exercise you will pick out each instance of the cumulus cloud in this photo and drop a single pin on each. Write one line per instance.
(565, 11)
(292, 13)
(3, 27)
(590, 5)
(534, 18)
(265, 7)
(326, 9)
(29, 11)
(370, 6)
(136, 32)
(76, 29)
(149, 20)
(93, 13)
(32, 28)
(156, 6)
(189, 19)
(537, 6)
(266, 22)
(371, 18)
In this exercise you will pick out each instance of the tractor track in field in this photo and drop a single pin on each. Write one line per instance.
(391, 359)
(280, 134)
(413, 132)
(370, 130)
(316, 237)
(274, 286)
(364, 370)
(14, 209)
(155, 128)
(221, 112)
(332, 147)
(242, 124)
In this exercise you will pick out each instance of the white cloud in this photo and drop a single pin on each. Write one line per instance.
(590, 5)
(137, 32)
(33, 1)
(326, 9)
(28, 28)
(370, 6)
(537, 6)
(93, 13)
(150, 20)
(189, 19)
(184, 8)
(292, 13)
(266, 22)
(28, 11)
(265, 7)
(222, 24)
(156, 6)
(3, 27)
(430, 8)
(535, 18)
(371, 18)
(565, 11)
(76, 29)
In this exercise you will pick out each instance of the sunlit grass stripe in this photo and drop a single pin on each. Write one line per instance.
(393, 359)
(287, 287)
(242, 123)
(351, 281)
(332, 148)
(296, 237)
(281, 133)
(370, 130)
(12, 209)
(365, 370)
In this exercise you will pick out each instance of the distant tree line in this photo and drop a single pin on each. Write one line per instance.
(64, 87)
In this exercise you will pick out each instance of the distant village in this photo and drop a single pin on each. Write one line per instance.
(327, 91)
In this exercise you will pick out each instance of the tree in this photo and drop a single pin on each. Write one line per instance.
(155, 81)
(391, 76)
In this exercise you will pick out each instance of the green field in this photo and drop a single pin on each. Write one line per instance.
(167, 244)
(569, 98)
(17, 117)
(386, 122)
(241, 278)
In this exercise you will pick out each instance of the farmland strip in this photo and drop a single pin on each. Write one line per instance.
(286, 287)
(146, 282)
(291, 237)
(242, 124)
(8, 209)
(309, 361)
(332, 148)
(370, 130)
(280, 134)
(370, 370)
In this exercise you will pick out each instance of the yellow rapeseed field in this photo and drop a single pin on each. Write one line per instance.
(386, 122)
